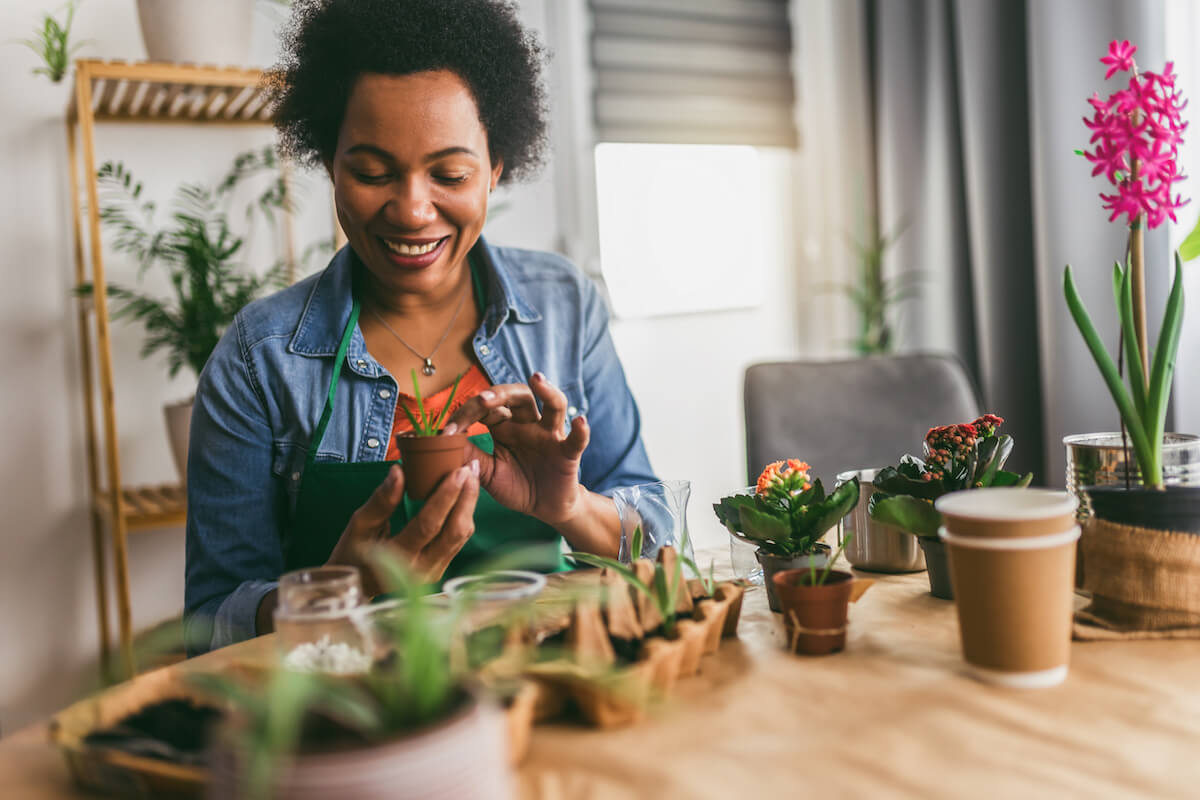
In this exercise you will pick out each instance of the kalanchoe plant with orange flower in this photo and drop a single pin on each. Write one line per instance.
(1136, 133)
(789, 512)
(968, 455)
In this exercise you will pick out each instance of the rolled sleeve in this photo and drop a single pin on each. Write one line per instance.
(235, 503)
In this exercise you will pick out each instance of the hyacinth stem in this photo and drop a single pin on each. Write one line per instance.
(1137, 269)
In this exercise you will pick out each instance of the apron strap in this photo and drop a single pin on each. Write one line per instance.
(327, 413)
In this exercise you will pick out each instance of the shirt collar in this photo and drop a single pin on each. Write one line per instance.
(327, 311)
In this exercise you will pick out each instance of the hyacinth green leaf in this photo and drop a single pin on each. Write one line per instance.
(1118, 277)
(1108, 370)
(1191, 245)
(907, 513)
(1133, 358)
(1163, 370)
(892, 481)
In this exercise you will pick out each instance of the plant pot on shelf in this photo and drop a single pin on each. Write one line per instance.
(773, 564)
(937, 566)
(428, 459)
(814, 617)
(463, 756)
(179, 425)
(213, 32)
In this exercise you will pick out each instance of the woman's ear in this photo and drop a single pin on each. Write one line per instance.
(328, 164)
(497, 171)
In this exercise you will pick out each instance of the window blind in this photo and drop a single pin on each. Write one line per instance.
(693, 72)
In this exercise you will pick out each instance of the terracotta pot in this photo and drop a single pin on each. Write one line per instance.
(464, 756)
(692, 635)
(937, 566)
(1177, 508)
(733, 593)
(814, 617)
(428, 459)
(773, 564)
(179, 425)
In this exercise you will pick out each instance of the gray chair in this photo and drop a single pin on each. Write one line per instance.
(856, 414)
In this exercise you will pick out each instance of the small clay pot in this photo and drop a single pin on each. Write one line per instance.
(937, 566)
(814, 617)
(773, 564)
(428, 459)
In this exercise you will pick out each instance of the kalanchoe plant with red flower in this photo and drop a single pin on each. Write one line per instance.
(1136, 133)
(969, 455)
(789, 512)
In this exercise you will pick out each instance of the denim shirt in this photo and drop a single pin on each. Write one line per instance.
(262, 392)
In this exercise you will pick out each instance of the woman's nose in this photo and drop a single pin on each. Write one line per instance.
(411, 205)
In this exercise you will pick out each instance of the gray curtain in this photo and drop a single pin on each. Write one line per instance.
(978, 108)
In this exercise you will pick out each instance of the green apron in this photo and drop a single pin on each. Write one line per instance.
(330, 493)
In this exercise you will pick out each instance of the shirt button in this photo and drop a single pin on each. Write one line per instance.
(360, 363)
(372, 442)
(483, 350)
(572, 411)
(385, 393)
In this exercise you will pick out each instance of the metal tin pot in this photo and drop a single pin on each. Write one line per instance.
(876, 547)
(1099, 459)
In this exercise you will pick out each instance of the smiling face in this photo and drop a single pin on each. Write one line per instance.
(411, 176)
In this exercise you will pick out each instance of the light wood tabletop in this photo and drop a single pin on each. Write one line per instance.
(893, 715)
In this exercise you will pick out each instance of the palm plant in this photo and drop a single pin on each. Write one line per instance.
(198, 251)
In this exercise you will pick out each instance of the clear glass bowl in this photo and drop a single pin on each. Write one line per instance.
(314, 629)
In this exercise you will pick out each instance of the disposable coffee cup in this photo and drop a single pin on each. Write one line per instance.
(1012, 566)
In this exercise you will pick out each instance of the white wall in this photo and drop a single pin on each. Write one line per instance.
(685, 370)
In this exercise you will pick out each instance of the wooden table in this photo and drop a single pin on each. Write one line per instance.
(894, 715)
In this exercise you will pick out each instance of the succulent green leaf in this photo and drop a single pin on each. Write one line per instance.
(908, 513)
(891, 480)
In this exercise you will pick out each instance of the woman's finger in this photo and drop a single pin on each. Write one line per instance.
(515, 398)
(554, 404)
(459, 527)
(422, 528)
(371, 516)
(577, 440)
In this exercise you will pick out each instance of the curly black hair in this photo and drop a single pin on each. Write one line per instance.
(330, 43)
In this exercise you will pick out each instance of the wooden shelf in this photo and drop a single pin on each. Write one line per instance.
(146, 507)
(149, 91)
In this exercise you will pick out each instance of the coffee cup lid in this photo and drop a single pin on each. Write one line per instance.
(1007, 503)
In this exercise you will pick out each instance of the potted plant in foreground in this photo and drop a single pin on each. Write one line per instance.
(815, 604)
(414, 720)
(968, 455)
(1137, 131)
(426, 454)
(786, 517)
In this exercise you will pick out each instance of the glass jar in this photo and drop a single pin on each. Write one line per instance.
(499, 607)
(314, 626)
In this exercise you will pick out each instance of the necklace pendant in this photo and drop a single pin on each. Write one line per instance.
(429, 368)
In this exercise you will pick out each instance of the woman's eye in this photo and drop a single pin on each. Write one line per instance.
(453, 179)
(366, 177)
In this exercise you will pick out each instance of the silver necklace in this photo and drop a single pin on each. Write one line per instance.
(429, 368)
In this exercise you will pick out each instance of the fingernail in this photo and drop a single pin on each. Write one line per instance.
(538, 376)
(475, 467)
(487, 394)
(449, 429)
(460, 477)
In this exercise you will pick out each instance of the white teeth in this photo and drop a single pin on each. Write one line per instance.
(410, 249)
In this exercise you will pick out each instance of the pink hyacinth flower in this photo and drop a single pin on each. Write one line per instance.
(1119, 58)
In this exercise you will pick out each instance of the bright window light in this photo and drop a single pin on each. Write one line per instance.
(681, 227)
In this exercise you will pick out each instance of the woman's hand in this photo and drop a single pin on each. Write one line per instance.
(430, 539)
(535, 466)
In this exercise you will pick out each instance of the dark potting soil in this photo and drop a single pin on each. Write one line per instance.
(171, 730)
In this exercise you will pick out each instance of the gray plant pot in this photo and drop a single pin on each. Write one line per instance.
(772, 564)
(938, 567)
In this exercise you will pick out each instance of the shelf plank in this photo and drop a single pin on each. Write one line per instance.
(146, 507)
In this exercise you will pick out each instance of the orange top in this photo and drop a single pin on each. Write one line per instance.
(473, 382)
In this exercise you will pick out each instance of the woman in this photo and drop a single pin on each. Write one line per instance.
(417, 109)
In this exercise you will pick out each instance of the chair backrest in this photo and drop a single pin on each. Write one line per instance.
(856, 414)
